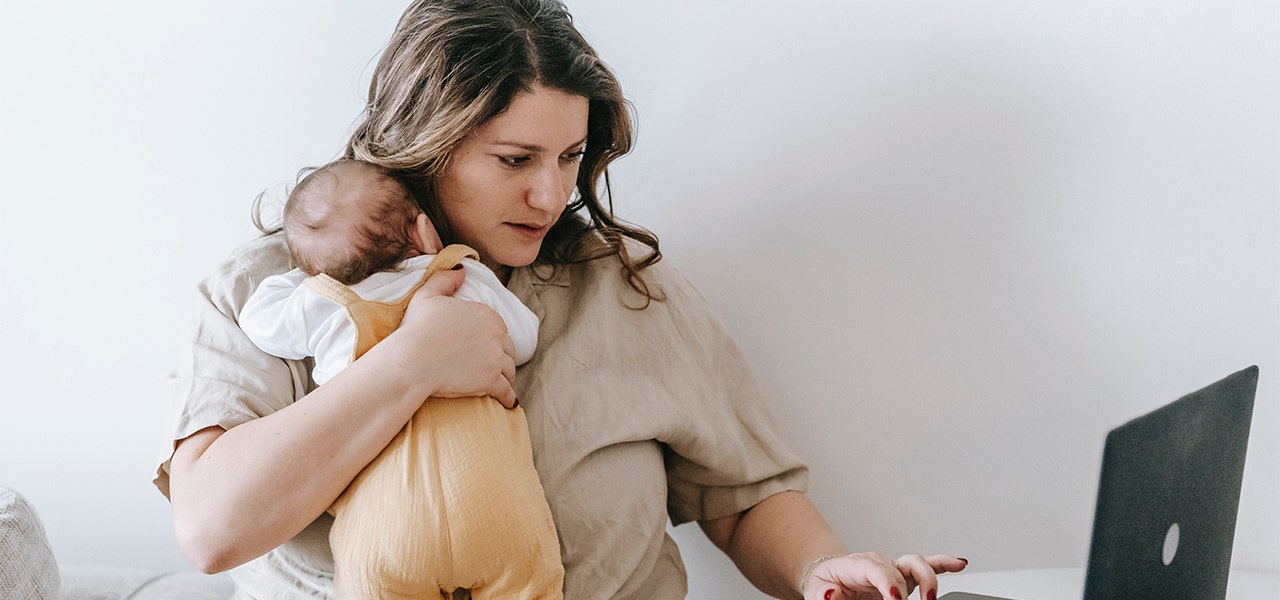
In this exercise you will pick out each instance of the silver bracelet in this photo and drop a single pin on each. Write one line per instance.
(808, 569)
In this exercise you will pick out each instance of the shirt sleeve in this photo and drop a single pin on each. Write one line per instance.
(723, 455)
(222, 379)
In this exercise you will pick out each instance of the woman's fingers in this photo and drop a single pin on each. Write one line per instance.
(463, 345)
(923, 571)
(917, 571)
(943, 563)
(503, 390)
(854, 575)
(442, 283)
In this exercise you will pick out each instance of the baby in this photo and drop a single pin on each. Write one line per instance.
(453, 502)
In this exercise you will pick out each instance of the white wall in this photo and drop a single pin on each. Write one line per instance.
(959, 241)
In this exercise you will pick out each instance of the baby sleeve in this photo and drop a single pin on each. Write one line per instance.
(276, 317)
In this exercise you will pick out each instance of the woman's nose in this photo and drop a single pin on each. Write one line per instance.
(547, 191)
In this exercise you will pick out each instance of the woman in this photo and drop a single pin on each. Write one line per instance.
(640, 408)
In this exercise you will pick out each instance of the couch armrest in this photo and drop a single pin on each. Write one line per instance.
(27, 568)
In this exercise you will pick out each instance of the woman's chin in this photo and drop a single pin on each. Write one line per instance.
(500, 261)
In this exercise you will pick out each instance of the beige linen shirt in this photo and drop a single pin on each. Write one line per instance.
(635, 416)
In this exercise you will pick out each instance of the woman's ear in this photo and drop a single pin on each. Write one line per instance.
(425, 237)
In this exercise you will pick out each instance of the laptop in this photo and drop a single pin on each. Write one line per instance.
(1168, 496)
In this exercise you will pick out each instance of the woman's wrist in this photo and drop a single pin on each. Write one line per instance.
(398, 367)
(809, 568)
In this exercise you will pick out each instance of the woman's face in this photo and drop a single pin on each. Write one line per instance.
(508, 181)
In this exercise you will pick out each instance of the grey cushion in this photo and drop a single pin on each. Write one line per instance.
(27, 568)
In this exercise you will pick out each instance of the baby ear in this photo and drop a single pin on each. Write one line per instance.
(425, 237)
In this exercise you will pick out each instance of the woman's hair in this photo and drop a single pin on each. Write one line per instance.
(349, 236)
(451, 65)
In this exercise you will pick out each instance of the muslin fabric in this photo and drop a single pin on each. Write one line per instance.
(453, 502)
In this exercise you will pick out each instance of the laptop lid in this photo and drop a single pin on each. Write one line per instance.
(1168, 496)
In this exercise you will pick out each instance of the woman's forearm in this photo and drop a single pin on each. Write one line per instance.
(237, 494)
(773, 541)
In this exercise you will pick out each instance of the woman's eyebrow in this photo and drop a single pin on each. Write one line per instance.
(533, 148)
(522, 146)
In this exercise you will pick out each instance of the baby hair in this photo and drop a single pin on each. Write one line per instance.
(349, 219)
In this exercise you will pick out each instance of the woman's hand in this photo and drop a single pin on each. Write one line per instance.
(870, 575)
(769, 542)
(454, 347)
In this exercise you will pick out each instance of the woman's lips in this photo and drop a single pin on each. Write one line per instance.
(530, 230)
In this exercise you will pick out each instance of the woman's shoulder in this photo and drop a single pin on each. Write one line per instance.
(235, 278)
(605, 277)
(261, 257)
(660, 271)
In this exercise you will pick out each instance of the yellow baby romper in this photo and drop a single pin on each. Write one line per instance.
(453, 502)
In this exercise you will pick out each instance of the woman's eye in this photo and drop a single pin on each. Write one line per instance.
(513, 161)
(573, 156)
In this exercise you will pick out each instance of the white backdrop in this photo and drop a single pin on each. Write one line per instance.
(958, 241)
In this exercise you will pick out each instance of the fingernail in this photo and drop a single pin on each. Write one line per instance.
(966, 561)
(933, 594)
(827, 596)
(515, 403)
(895, 593)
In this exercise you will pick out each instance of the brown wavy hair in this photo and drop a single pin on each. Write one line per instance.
(451, 65)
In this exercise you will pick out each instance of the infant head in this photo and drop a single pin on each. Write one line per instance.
(350, 219)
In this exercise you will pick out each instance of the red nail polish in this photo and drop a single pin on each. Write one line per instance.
(933, 594)
(827, 596)
(515, 403)
(895, 593)
(966, 561)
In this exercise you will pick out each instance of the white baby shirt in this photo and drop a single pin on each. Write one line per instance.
(288, 319)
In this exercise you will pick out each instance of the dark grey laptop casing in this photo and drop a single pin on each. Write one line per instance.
(1180, 464)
